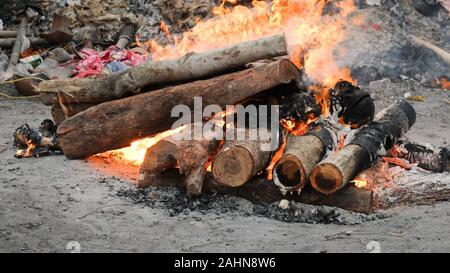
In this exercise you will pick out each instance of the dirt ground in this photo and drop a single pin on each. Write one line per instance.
(51, 204)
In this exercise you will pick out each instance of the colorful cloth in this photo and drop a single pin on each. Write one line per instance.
(94, 62)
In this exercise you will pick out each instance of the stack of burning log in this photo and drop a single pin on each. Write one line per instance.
(312, 162)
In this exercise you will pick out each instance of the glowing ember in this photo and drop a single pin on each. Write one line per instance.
(360, 183)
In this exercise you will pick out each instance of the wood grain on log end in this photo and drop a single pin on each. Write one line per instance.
(326, 178)
(233, 167)
(290, 171)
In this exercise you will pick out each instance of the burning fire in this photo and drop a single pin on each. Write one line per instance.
(28, 152)
(312, 37)
(135, 153)
(360, 183)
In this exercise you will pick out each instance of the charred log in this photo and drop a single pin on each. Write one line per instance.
(426, 158)
(302, 153)
(338, 169)
(357, 107)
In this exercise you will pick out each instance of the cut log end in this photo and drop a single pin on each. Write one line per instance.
(158, 158)
(290, 172)
(326, 178)
(233, 166)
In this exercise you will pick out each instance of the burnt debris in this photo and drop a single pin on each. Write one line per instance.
(32, 142)
(426, 158)
(357, 106)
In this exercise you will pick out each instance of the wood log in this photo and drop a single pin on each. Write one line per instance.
(17, 50)
(192, 66)
(302, 153)
(8, 33)
(116, 124)
(59, 115)
(334, 173)
(9, 42)
(191, 157)
(240, 160)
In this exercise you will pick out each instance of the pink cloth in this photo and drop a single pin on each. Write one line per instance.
(94, 61)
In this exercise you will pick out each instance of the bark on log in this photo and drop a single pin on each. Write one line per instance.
(192, 66)
(59, 115)
(338, 169)
(191, 157)
(240, 160)
(116, 124)
(302, 153)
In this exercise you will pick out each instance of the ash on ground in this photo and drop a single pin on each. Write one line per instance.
(175, 203)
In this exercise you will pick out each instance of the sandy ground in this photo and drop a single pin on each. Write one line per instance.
(48, 202)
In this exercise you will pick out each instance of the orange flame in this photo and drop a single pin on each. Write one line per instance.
(312, 38)
(360, 183)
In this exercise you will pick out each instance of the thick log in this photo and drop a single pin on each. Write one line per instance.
(240, 160)
(191, 157)
(60, 115)
(192, 66)
(116, 124)
(339, 168)
(302, 153)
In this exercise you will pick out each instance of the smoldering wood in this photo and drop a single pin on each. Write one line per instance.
(240, 160)
(435, 161)
(302, 153)
(350, 198)
(116, 124)
(192, 66)
(334, 173)
(262, 191)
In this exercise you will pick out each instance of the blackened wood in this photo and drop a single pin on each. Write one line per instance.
(341, 167)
